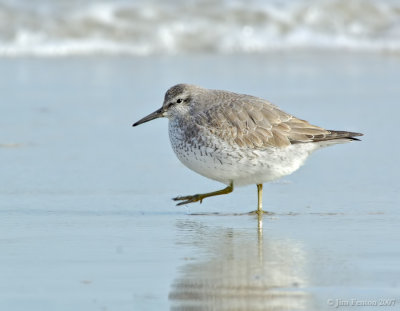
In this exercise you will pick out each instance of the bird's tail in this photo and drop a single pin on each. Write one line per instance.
(342, 135)
(338, 137)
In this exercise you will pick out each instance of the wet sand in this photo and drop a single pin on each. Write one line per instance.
(86, 217)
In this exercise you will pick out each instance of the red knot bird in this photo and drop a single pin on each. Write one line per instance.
(238, 139)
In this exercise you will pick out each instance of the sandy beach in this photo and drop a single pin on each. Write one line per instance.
(86, 217)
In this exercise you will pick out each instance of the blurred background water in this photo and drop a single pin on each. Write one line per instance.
(86, 220)
(62, 27)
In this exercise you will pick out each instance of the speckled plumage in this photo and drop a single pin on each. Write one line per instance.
(238, 139)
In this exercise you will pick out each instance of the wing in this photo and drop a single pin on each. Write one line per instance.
(255, 123)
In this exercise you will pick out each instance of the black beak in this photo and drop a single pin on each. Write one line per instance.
(154, 115)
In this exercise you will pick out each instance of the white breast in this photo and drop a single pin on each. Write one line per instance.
(216, 159)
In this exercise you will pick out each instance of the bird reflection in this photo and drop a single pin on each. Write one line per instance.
(238, 271)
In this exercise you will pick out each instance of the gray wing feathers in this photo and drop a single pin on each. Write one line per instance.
(255, 123)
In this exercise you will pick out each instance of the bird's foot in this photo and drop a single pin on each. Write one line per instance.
(200, 197)
(261, 213)
(189, 199)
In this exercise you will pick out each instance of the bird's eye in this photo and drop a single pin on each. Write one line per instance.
(179, 100)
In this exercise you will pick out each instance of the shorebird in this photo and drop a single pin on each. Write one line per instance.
(238, 139)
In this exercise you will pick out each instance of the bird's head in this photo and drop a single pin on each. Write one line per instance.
(177, 102)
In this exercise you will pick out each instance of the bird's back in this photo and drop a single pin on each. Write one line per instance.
(251, 122)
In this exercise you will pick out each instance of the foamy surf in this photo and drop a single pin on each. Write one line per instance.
(59, 28)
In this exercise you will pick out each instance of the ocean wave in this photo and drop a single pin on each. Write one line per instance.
(56, 28)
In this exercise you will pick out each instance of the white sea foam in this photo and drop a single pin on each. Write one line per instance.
(51, 28)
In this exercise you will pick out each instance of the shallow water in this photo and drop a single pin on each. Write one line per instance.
(86, 218)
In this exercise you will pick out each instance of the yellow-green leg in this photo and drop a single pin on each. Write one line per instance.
(199, 197)
(259, 192)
